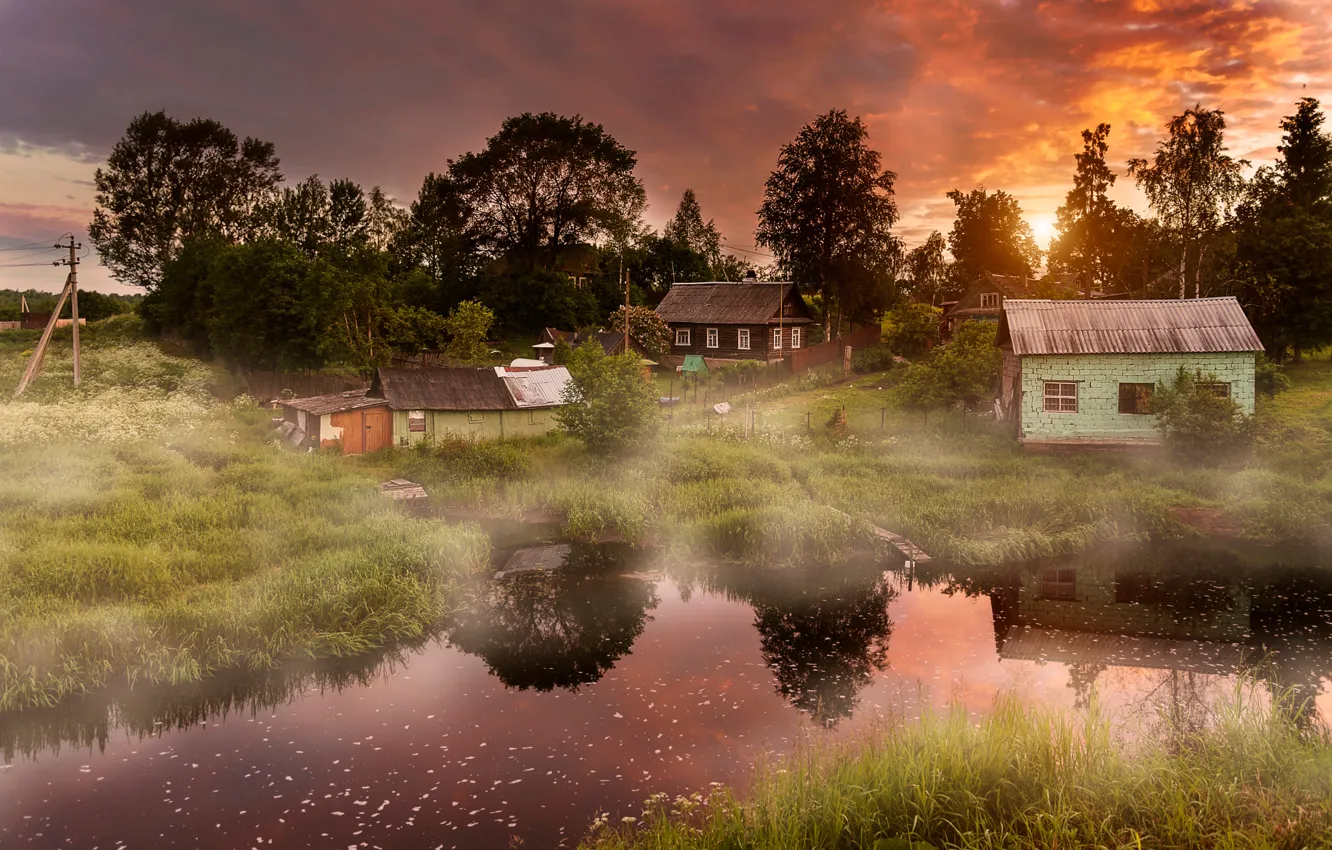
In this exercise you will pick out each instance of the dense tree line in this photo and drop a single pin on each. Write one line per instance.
(93, 306)
(544, 226)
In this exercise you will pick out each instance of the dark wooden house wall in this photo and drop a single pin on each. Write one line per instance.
(728, 342)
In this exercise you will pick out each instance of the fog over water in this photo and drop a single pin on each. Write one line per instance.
(585, 679)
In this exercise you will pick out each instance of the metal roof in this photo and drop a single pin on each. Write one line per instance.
(442, 389)
(1195, 326)
(535, 387)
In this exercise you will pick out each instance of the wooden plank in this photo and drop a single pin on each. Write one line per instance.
(909, 550)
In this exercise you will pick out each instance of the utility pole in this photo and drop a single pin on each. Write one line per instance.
(626, 312)
(71, 292)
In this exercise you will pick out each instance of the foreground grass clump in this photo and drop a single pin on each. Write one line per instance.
(1017, 780)
(149, 562)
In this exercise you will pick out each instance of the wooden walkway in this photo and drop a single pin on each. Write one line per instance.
(909, 550)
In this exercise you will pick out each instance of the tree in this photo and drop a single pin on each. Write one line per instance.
(439, 236)
(1086, 223)
(1283, 246)
(990, 235)
(547, 181)
(467, 326)
(261, 315)
(962, 372)
(688, 231)
(1190, 182)
(927, 270)
(385, 220)
(166, 181)
(645, 326)
(827, 215)
(912, 329)
(608, 404)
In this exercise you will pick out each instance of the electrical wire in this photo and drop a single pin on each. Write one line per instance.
(24, 265)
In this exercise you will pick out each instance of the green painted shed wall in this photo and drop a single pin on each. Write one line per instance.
(475, 424)
(1098, 377)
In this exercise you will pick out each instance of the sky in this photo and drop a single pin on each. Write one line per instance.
(956, 93)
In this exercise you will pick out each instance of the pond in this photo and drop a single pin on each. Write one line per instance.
(583, 678)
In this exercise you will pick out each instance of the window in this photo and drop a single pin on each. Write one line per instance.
(1059, 584)
(989, 299)
(416, 421)
(1061, 397)
(475, 418)
(1135, 398)
(713, 337)
(742, 339)
(795, 337)
(776, 337)
(682, 336)
(1133, 588)
(1221, 389)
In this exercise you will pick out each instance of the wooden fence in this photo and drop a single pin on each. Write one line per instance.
(831, 351)
(266, 386)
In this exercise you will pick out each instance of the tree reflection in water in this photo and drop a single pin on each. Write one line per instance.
(560, 628)
(823, 634)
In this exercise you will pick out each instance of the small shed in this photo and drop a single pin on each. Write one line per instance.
(1083, 372)
(354, 420)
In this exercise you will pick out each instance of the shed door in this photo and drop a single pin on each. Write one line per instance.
(353, 431)
(378, 429)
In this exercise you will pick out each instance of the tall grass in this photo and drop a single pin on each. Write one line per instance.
(1017, 779)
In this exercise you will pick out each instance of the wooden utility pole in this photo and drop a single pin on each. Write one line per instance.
(626, 311)
(71, 292)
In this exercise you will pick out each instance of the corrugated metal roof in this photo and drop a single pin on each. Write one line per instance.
(535, 387)
(1196, 326)
(727, 303)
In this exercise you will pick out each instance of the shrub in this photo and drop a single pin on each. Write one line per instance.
(1197, 422)
(608, 404)
(912, 328)
(876, 358)
(1269, 378)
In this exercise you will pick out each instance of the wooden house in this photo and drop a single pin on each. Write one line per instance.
(735, 321)
(402, 407)
(1082, 373)
(611, 342)
(984, 299)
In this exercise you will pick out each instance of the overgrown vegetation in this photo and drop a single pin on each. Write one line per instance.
(1020, 778)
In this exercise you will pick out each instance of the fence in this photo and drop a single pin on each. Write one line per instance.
(270, 385)
(830, 351)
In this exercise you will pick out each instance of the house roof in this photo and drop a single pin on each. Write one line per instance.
(1196, 326)
(320, 405)
(442, 389)
(726, 303)
(1161, 653)
(532, 387)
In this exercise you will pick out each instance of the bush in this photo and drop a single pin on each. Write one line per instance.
(608, 403)
(876, 358)
(1198, 423)
(912, 328)
(1269, 378)
(963, 371)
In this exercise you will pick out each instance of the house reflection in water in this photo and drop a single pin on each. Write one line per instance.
(1195, 617)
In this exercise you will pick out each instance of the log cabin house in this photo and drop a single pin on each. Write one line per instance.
(402, 407)
(735, 321)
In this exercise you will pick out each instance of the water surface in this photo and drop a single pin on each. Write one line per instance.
(584, 679)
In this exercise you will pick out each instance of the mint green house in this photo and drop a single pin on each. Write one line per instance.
(1082, 372)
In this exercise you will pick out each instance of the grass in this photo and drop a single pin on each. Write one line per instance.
(170, 552)
(1018, 778)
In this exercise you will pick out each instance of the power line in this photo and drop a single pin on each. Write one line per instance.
(746, 250)
(44, 244)
(25, 265)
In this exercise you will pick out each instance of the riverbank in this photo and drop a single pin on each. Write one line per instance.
(1019, 778)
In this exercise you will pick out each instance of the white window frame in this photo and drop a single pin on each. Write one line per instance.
(682, 336)
(989, 299)
(1060, 396)
(776, 339)
(742, 339)
(795, 337)
(713, 338)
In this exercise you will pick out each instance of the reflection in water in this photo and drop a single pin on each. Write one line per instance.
(151, 711)
(823, 633)
(555, 617)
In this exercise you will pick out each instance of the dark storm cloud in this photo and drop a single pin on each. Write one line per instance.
(955, 91)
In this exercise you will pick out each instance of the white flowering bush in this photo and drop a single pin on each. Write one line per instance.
(129, 391)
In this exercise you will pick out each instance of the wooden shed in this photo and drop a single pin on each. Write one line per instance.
(355, 420)
(487, 402)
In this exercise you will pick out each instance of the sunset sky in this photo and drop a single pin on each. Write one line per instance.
(955, 92)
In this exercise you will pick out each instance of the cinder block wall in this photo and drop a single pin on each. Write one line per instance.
(1098, 377)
